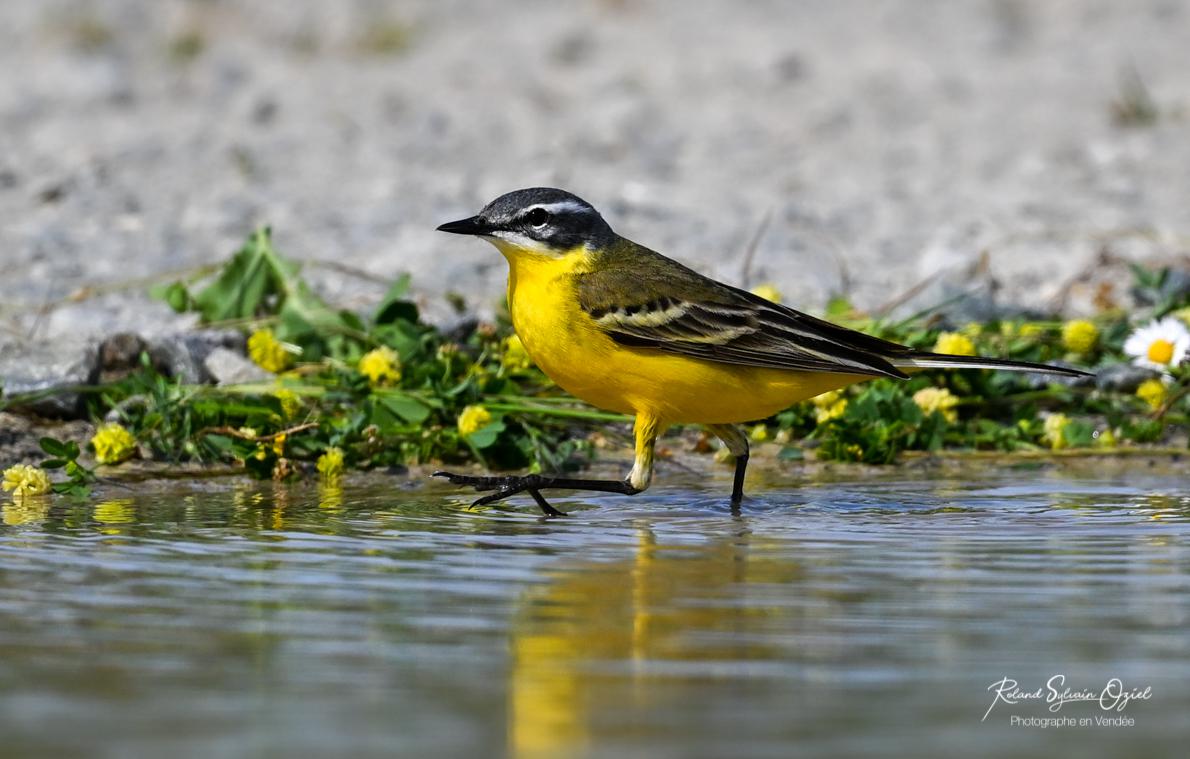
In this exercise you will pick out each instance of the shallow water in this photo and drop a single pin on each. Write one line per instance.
(845, 618)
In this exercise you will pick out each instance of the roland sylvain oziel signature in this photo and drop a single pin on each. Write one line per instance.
(1112, 697)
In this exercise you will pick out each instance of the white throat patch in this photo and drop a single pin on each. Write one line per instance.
(508, 242)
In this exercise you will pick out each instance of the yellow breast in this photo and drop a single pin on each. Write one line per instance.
(567, 345)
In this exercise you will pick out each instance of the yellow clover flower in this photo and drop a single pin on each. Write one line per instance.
(330, 464)
(1080, 336)
(113, 444)
(473, 419)
(768, 292)
(759, 433)
(291, 403)
(931, 399)
(381, 366)
(954, 343)
(834, 411)
(827, 399)
(25, 481)
(268, 352)
(1055, 431)
(829, 405)
(1152, 392)
(515, 356)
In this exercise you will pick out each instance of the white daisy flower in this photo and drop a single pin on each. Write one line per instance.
(1159, 345)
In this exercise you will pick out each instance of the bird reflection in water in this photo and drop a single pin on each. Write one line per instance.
(602, 640)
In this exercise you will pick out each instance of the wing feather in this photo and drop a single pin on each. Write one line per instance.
(660, 304)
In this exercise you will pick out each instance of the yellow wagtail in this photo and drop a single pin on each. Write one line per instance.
(629, 330)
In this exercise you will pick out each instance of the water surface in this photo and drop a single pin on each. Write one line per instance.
(860, 616)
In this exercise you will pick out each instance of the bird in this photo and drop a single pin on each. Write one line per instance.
(629, 330)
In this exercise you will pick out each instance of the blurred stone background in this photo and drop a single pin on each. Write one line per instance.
(892, 152)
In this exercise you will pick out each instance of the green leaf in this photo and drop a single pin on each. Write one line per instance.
(838, 307)
(405, 406)
(253, 273)
(352, 320)
(1079, 434)
(401, 336)
(74, 489)
(53, 463)
(176, 295)
(302, 311)
(394, 306)
(221, 443)
(486, 435)
(257, 281)
(54, 447)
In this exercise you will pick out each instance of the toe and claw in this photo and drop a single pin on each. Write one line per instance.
(533, 484)
(504, 487)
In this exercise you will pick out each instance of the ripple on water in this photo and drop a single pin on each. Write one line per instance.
(834, 617)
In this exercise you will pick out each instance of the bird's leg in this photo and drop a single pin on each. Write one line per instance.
(737, 442)
(637, 480)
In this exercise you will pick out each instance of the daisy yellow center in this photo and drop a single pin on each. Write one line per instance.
(1161, 351)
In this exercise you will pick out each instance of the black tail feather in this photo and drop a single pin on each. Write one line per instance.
(927, 360)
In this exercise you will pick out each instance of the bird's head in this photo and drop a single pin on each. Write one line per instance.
(539, 220)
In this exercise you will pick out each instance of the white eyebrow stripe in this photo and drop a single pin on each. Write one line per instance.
(561, 206)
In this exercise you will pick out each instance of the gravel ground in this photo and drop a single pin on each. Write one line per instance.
(864, 146)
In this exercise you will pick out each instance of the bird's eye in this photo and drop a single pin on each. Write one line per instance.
(538, 217)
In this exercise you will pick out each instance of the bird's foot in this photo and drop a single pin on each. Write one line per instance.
(505, 487)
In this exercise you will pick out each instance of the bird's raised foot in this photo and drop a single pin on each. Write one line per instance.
(480, 483)
(505, 487)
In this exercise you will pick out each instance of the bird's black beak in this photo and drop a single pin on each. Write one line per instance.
(471, 226)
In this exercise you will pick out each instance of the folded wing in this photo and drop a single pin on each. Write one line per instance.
(660, 304)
